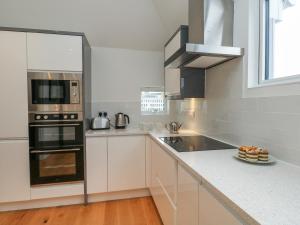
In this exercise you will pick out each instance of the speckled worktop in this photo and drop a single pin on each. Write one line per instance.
(115, 132)
(268, 195)
(128, 132)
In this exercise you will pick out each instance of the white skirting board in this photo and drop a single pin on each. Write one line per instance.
(73, 200)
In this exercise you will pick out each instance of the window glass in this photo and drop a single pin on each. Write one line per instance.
(282, 35)
(153, 101)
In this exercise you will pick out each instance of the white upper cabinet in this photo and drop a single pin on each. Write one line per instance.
(126, 163)
(13, 85)
(96, 158)
(54, 52)
(14, 171)
(187, 198)
(212, 212)
(172, 81)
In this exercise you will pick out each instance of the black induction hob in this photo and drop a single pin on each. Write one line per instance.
(195, 143)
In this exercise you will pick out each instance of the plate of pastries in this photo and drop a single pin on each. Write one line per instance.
(255, 155)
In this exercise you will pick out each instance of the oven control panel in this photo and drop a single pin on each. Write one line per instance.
(74, 92)
(54, 117)
(61, 116)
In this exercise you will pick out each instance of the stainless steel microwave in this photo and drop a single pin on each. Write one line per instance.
(54, 92)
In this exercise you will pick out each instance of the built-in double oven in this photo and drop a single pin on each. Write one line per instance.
(55, 128)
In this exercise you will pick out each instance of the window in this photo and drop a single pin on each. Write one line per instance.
(281, 40)
(153, 101)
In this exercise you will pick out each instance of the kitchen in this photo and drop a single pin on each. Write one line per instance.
(168, 112)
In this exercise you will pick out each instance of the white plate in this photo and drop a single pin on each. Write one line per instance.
(270, 161)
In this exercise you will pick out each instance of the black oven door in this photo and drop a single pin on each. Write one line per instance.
(51, 135)
(56, 166)
(50, 91)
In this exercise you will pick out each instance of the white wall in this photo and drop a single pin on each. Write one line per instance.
(271, 122)
(119, 74)
(117, 78)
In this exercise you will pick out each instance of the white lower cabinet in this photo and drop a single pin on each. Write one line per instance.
(126, 163)
(14, 171)
(148, 161)
(179, 196)
(96, 156)
(166, 208)
(163, 183)
(212, 212)
(164, 167)
(187, 198)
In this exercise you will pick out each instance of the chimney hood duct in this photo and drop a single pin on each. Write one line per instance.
(208, 39)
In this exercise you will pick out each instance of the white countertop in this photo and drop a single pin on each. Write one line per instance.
(115, 132)
(268, 195)
(130, 131)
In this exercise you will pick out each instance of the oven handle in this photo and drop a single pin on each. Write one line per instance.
(58, 150)
(54, 125)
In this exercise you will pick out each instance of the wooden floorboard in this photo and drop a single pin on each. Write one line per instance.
(139, 211)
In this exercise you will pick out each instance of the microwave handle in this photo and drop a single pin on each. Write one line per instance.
(54, 125)
(59, 150)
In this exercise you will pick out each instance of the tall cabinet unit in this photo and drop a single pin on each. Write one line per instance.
(14, 156)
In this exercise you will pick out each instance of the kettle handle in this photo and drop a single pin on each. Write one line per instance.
(126, 116)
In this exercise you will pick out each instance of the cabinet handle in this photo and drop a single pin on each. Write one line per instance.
(58, 150)
(54, 125)
(181, 82)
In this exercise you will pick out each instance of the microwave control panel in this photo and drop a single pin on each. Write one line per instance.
(75, 92)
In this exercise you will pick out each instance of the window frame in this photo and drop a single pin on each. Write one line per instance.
(166, 102)
(265, 30)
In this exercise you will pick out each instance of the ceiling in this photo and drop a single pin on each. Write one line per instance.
(132, 24)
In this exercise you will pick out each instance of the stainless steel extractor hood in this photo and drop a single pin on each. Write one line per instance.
(209, 36)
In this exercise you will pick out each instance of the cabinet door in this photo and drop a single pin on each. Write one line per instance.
(13, 85)
(14, 171)
(172, 81)
(212, 212)
(165, 168)
(164, 204)
(187, 198)
(54, 52)
(96, 160)
(148, 161)
(126, 163)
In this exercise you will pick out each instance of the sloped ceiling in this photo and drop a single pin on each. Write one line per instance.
(172, 14)
(133, 24)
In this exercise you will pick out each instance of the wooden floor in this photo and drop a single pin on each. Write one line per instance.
(139, 211)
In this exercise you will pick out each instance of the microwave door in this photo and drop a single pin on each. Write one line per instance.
(50, 92)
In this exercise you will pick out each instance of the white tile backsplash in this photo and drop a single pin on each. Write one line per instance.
(271, 122)
(133, 110)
